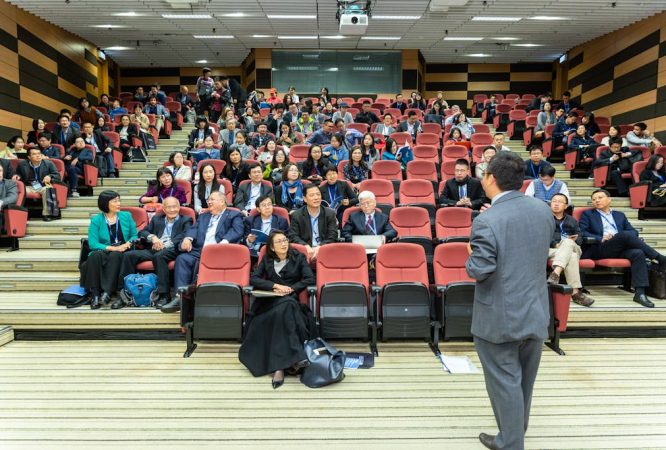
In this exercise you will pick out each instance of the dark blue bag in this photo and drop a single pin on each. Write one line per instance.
(140, 289)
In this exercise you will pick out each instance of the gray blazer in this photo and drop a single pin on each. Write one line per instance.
(8, 193)
(510, 244)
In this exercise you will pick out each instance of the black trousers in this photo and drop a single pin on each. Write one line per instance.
(619, 182)
(629, 246)
(160, 260)
(100, 272)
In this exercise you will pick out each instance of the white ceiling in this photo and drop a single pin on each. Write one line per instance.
(170, 42)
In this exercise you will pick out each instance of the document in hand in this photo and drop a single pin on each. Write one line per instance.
(458, 364)
(261, 236)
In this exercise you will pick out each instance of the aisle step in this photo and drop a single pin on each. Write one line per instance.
(39, 261)
(52, 241)
(36, 281)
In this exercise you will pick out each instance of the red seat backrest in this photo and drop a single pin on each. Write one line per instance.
(342, 262)
(20, 197)
(637, 169)
(139, 215)
(528, 97)
(481, 128)
(416, 191)
(411, 221)
(428, 138)
(113, 137)
(453, 221)
(383, 190)
(184, 211)
(504, 108)
(431, 128)
(401, 137)
(481, 139)
(228, 263)
(350, 211)
(299, 152)
(448, 263)
(421, 170)
(427, 152)
(531, 121)
(401, 262)
(362, 127)
(218, 164)
(578, 212)
(478, 98)
(517, 114)
(386, 170)
(187, 187)
(448, 169)
(512, 96)
(457, 151)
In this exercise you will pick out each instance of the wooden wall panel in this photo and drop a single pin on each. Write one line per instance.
(623, 74)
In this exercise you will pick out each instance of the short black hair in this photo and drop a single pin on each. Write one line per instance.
(365, 102)
(573, 114)
(566, 94)
(462, 162)
(489, 147)
(104, 198)
(615, 140)
(508, 169)
(641, 125)
(328, 121)
(603, 191)
(411, 113)
(306, 110)
(534, 147)
(46, 135)
(547, 171)
(12, 141)
(330, 169)
(338, 121)
(173, 155)
(559, 194)
(498, 134)
(387, 114)
(309, 186)
(261, 199)
(33, 148)
(279, 106)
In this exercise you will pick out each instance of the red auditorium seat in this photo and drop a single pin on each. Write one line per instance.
(362, 127)
(601, 172)
(384, 193)
(298, 152)
(639, 192)
(456, 152)
(403, 297)
(139, 215)
(453, 224)
(528, 133)
(147, 266)
(214, 309)
(429, 139)
(478, 103)
(342, 293)
(401, 137)
(501, 119)
(217, 164)
(481, 139)
(431, 128)
(89, 172)
(418, 193)
(481, 128)
(16, 218)
(386, 170)
(455, 290)
(425, 152)
(516, 126)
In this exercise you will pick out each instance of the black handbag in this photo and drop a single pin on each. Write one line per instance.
(326, 366)
(52, 207)
(657, 280)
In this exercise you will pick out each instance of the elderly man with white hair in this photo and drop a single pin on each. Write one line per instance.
(368, 221)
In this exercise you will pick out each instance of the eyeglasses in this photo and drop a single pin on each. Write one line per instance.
(281, 241)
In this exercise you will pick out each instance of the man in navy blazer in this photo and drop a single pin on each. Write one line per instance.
(368, 221)
(265, 221)
(614, 237)
(218, 226)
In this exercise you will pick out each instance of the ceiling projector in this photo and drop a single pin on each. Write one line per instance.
(352, 17)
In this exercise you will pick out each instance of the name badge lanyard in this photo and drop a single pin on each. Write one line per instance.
(610, 224)
(170, 195)
(562, 232)
(115, 237)
(333, 194)
(314, 222)
(535, 173)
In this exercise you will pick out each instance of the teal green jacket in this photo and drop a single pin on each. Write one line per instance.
(98, 231)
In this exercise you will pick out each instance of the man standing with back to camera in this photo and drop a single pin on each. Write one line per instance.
(508, 254)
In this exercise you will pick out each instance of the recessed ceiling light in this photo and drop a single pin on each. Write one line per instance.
(291, 16)
(505, 39)
(127, 14)
(108, 26)
(187, 16)
(526, 45)
(457, 38)
(237, 14)
(380, 38)
(396, 17)
(479, 55)
(339, 36)
(117, 47)
(213, 36)
(332, 69)
(201, 61)
(496, 19)
(262, 36)
(297, 37)
(549, 18)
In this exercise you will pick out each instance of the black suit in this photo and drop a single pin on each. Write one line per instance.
(300, 230)
(131, 132)
(451, 192)
(7, 169)
(66, 139)
(368, 118)
(27, 174)
(402, 106)
(532, 171)
(356, 226)
(618, 167)
(342, 191)
(255, 223)
(159, 258)
(243, 194)
(403, 127)
(102, 143)
(237, 92)
(194, 134)
(187, 101)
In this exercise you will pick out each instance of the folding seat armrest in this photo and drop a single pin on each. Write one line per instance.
(561, 289)
(454, 239)
(247, 291)
(589, 240)
(438, 289)
(312, 294)
(638, 194)
(374, 295)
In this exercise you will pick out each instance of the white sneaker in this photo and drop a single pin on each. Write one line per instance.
(75, 194)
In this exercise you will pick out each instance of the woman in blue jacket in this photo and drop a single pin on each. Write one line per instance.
(110, 235)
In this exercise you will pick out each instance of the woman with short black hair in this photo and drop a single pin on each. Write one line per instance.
(110, 234)
(278, 325)
(38, 127)
(178, 168)
(655, 174)
(164, 186)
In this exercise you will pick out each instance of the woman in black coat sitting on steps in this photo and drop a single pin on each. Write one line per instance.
(278, 325)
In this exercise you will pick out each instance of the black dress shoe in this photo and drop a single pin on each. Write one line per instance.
(47, 218)
(171, 307)
(118, 304)
(642, 300)
(105, 298)
(279, 381)
(162, 300)
(487, 440)
(94, 303)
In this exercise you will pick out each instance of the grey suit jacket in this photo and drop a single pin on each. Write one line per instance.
(510, 244)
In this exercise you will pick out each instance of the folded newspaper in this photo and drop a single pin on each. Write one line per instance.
(458, 364)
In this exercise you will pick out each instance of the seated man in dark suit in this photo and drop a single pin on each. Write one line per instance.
(48, 151)
(462, 190)
(38, 176)
(7, 170)
(265, 221)
(164, 234)
(218, 226)
(614, 237)
(337, 194)
(535, 163)
(103, 150)
(65, 133)
(412, 125)
(313, 225)
(399, 104)
(246, 196)
(368, 221)
(366, 116)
